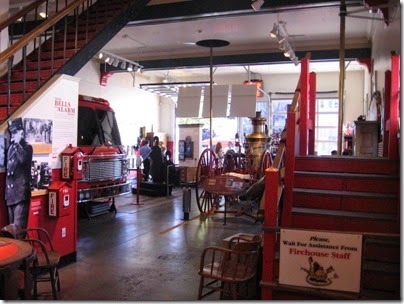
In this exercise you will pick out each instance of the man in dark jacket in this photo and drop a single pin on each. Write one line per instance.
(18, 175)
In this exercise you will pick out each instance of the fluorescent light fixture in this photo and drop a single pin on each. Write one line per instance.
(256, 5)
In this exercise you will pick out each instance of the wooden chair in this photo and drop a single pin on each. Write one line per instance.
(12, 231)
(24, 284)
(44, 267)
(224, 269)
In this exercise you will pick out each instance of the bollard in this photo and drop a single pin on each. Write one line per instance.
(186, 202)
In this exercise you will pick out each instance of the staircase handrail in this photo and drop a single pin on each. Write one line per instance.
(21, 13)
(37, 31)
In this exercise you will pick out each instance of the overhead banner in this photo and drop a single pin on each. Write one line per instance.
(320, 259)
(220, 97)
(189, 100)
(243, 100)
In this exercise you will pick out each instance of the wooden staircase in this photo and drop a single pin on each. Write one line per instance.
(346, 194)
(342, 194)
(73, 36)
(336, 196)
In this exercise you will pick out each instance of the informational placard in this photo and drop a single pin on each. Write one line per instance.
(320, 259)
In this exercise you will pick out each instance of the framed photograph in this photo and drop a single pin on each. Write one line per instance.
(189, 149)
(181, 146)
(181, 156)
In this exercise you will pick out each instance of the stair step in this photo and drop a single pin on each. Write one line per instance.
(33, 64)
(17, 86)
(81, 36)
(346, 193)
(343, 213)
(47, 55)
(44, 74)
(347, 181)
(16, 99)
(379, 203)
(377, 165)
(3, 112)
(367, 222)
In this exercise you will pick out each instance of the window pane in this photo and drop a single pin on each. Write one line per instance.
(327, 120)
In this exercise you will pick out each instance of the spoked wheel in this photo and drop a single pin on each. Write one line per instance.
(207, 167)
(265, 163)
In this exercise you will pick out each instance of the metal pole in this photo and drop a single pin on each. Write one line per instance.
(341, 75)
(211, 97)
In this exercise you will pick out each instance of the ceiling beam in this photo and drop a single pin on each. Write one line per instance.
(196, 9)
(247, 59)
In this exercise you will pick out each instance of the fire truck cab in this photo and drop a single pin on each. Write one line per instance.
(97, 167)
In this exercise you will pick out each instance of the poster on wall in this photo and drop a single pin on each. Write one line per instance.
(320, 259)
(38, 132)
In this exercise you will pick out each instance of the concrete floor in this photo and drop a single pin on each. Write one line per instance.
(144, 252)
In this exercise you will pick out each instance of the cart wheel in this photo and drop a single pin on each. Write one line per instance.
(207, 167)
(266, 162)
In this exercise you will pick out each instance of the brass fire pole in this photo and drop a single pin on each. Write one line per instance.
(341, 75)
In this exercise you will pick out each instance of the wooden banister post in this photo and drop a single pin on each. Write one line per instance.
(270, 220)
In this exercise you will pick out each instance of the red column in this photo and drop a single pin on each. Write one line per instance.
(304, 106)
(394, 106)
(312, 112)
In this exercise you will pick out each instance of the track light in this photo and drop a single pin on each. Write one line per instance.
(116, 61)
(282, 45)
(256, 5)
(288, 50)
(283, 42)
(274, 31)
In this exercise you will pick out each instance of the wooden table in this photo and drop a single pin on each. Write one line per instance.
(13, 254)
(226, 186)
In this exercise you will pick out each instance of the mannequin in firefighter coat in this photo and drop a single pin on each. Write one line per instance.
(18, 175)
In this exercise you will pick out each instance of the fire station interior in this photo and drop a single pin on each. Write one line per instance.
(181, 151)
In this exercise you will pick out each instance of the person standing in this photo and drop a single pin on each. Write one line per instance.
(156, 165)
(144, 151)
(18, 175)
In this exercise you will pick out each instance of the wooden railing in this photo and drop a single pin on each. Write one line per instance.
(59, 18)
